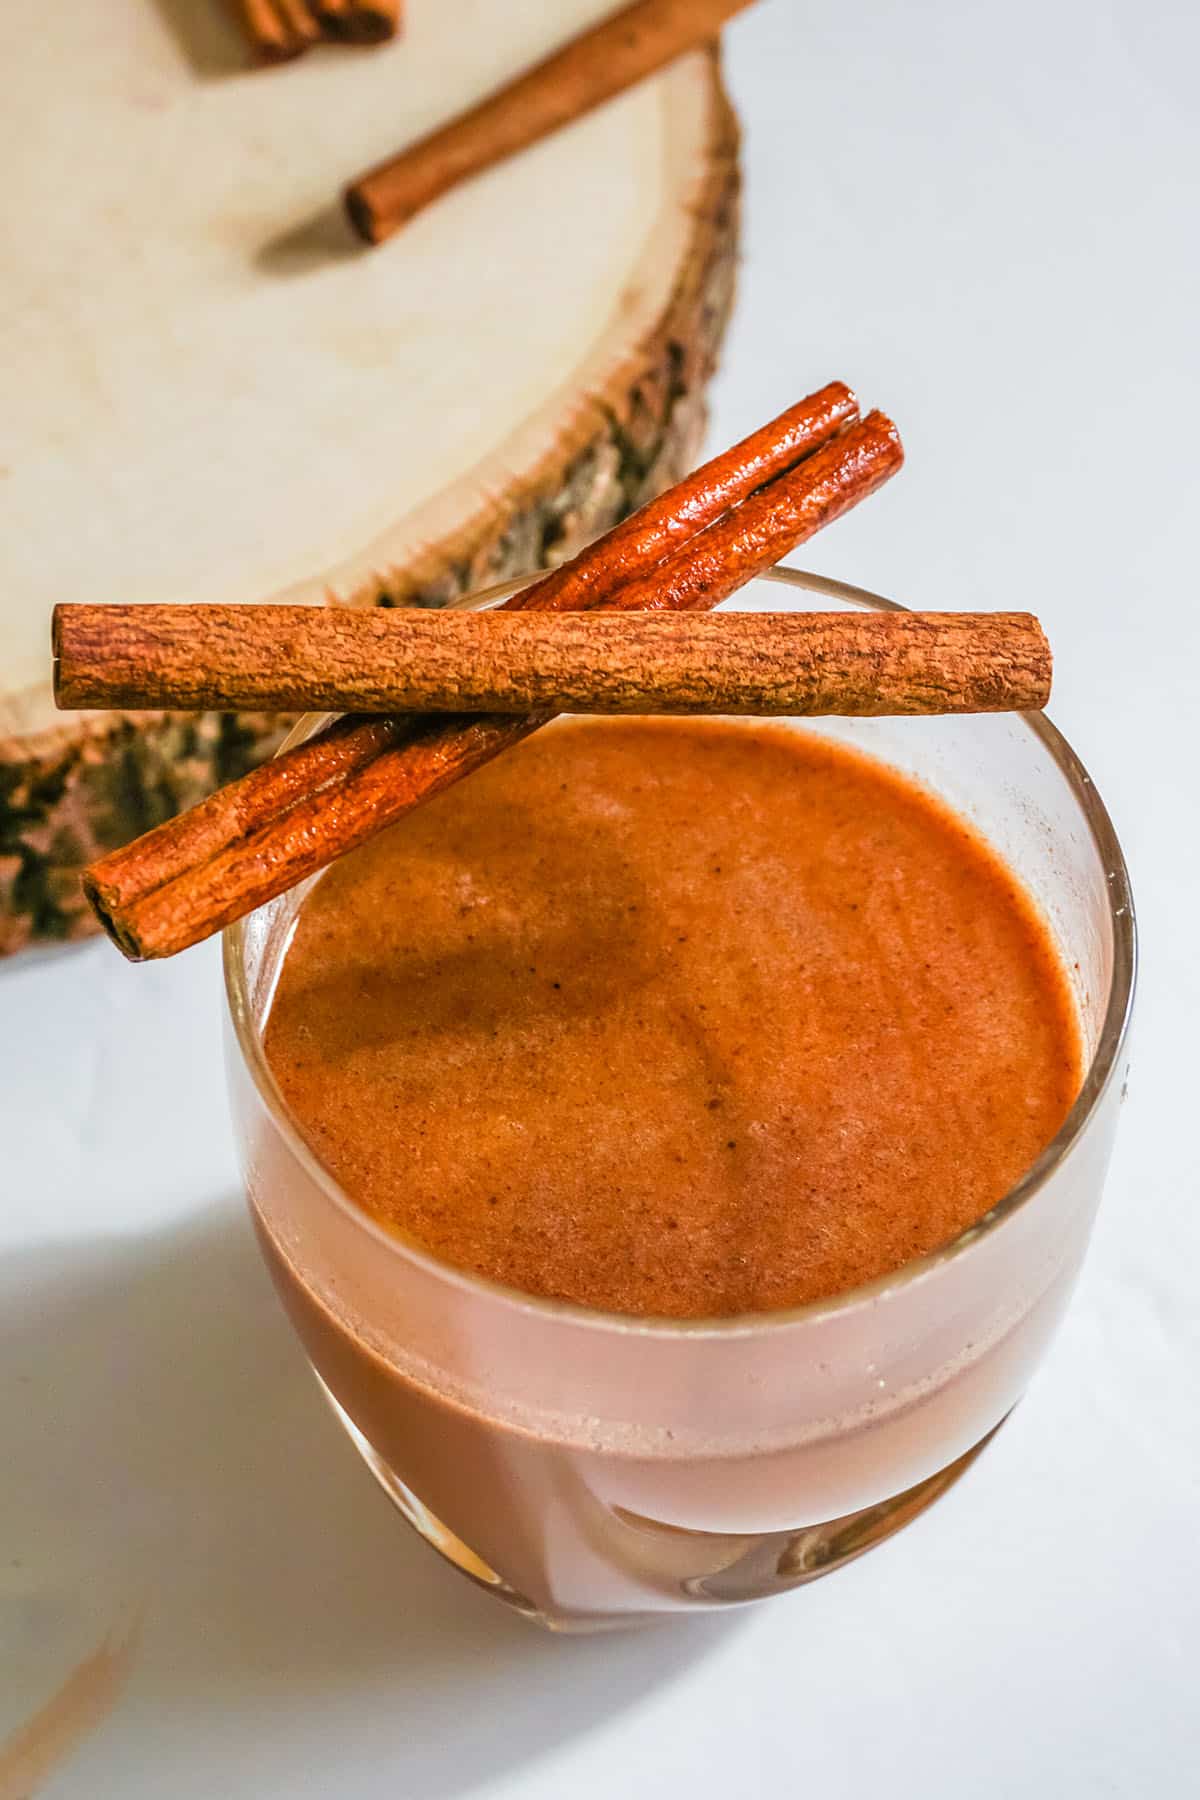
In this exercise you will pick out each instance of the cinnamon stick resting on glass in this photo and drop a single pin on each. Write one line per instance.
(688, 550)
(591, 68)
(301, 658)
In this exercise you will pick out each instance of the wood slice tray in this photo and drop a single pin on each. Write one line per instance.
(212, 392)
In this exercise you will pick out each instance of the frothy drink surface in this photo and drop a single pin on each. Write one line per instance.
(676, 1017)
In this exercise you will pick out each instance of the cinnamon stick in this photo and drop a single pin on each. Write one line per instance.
(588, 70)
(298, 18)
(281, 29)
(374, 21)
(357, 21)
(337, 754)
(277, 29)
(333, 17)
(295, 658)
(200, 899)
(643, 541)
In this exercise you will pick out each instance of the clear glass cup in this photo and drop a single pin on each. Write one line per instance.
(594, 1470)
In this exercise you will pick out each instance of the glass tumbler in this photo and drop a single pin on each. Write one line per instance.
(593, 1469)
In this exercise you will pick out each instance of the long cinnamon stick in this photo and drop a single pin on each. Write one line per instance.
(334, 755)
(591, 68)
(201, 900)
(299, 658)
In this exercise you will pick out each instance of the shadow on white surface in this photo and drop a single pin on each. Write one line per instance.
(165, 1446)
(36, 956)
(207, 37)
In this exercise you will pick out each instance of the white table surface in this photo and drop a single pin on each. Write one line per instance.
(985, 219)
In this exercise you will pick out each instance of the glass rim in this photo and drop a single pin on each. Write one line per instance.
(1101, 1071)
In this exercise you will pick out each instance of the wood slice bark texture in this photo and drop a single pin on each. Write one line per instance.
(209, 395)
